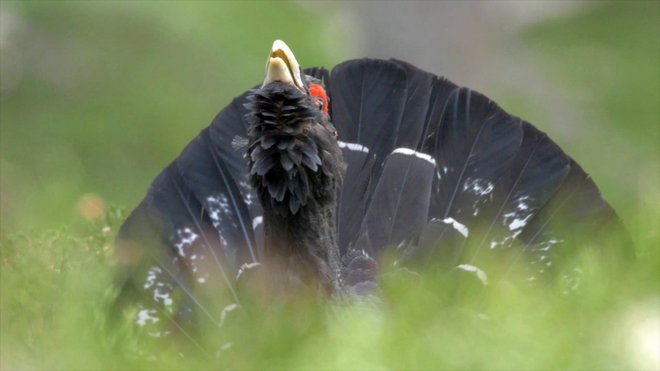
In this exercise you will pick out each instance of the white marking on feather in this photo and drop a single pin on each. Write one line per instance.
(353, 146)
(256, 221)
(482, 189)
(462, 229)
(220, 201)
(517, 219)
(245, 267)
(161, 290)
(217, 207)
(481, 275)
(162, 296)
(518, 224)
(228, 309)
(152, 274)
(246, 192)
(411, 152)
(479, 187)
(185, 237)
(546, 245)
(441, 171)
(506, 242)
(145, 315)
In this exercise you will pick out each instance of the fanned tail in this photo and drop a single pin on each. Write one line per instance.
(436, 174)
(495, 182)
(181, 250)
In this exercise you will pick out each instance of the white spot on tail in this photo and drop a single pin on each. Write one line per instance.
(145, 315)
(462, 229)
(518, 218)
(441, 172)
(218, 210)
(481, 275)
(353, 146)
(152, 274)
(256, 221)
(160, 290)
(410, 152)
(228, 309)
(245, 267)
(479, 187)
(184, 238)
(518, 224)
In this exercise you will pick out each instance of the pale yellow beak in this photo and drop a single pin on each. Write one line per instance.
(283, 66)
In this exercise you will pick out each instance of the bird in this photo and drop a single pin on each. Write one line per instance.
(306, 182)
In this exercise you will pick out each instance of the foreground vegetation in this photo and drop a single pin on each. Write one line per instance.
(57, 291)
(84, 131)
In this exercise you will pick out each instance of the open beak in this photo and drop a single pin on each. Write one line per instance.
(283, 66)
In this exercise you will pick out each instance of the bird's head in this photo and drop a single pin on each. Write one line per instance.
(293, 157)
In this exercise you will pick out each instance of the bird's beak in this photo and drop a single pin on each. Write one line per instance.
(283, 66)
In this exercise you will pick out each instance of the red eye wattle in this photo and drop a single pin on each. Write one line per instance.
(319, 96)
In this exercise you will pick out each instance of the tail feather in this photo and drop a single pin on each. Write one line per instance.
(189, 227)
(536, 173)
(319, 73)
(494, 174)
(475, 145)
(368, 97)
(376, 106)
(154, 249)
(432, 170)
(441, 90)
(353, 198)
(399, 207)
(227, 126)
(573, 215)
(416, 105)
(212, 184)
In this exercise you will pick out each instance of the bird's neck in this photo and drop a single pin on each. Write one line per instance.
(305, 244)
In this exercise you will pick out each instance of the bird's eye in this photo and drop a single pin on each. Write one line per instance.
(320, 97)
(319, 103)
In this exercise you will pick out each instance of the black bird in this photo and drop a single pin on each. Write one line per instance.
(314, 176)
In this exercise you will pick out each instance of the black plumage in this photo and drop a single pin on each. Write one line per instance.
(417, 167)
(295, 166)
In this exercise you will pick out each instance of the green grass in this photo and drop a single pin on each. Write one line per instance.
(110, 92)
(56, 292)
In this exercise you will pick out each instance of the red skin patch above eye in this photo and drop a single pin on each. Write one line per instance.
(317, 90)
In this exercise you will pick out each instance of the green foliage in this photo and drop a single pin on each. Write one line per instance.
(57, 294)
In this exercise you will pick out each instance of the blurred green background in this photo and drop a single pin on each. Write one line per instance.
(96, 97)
